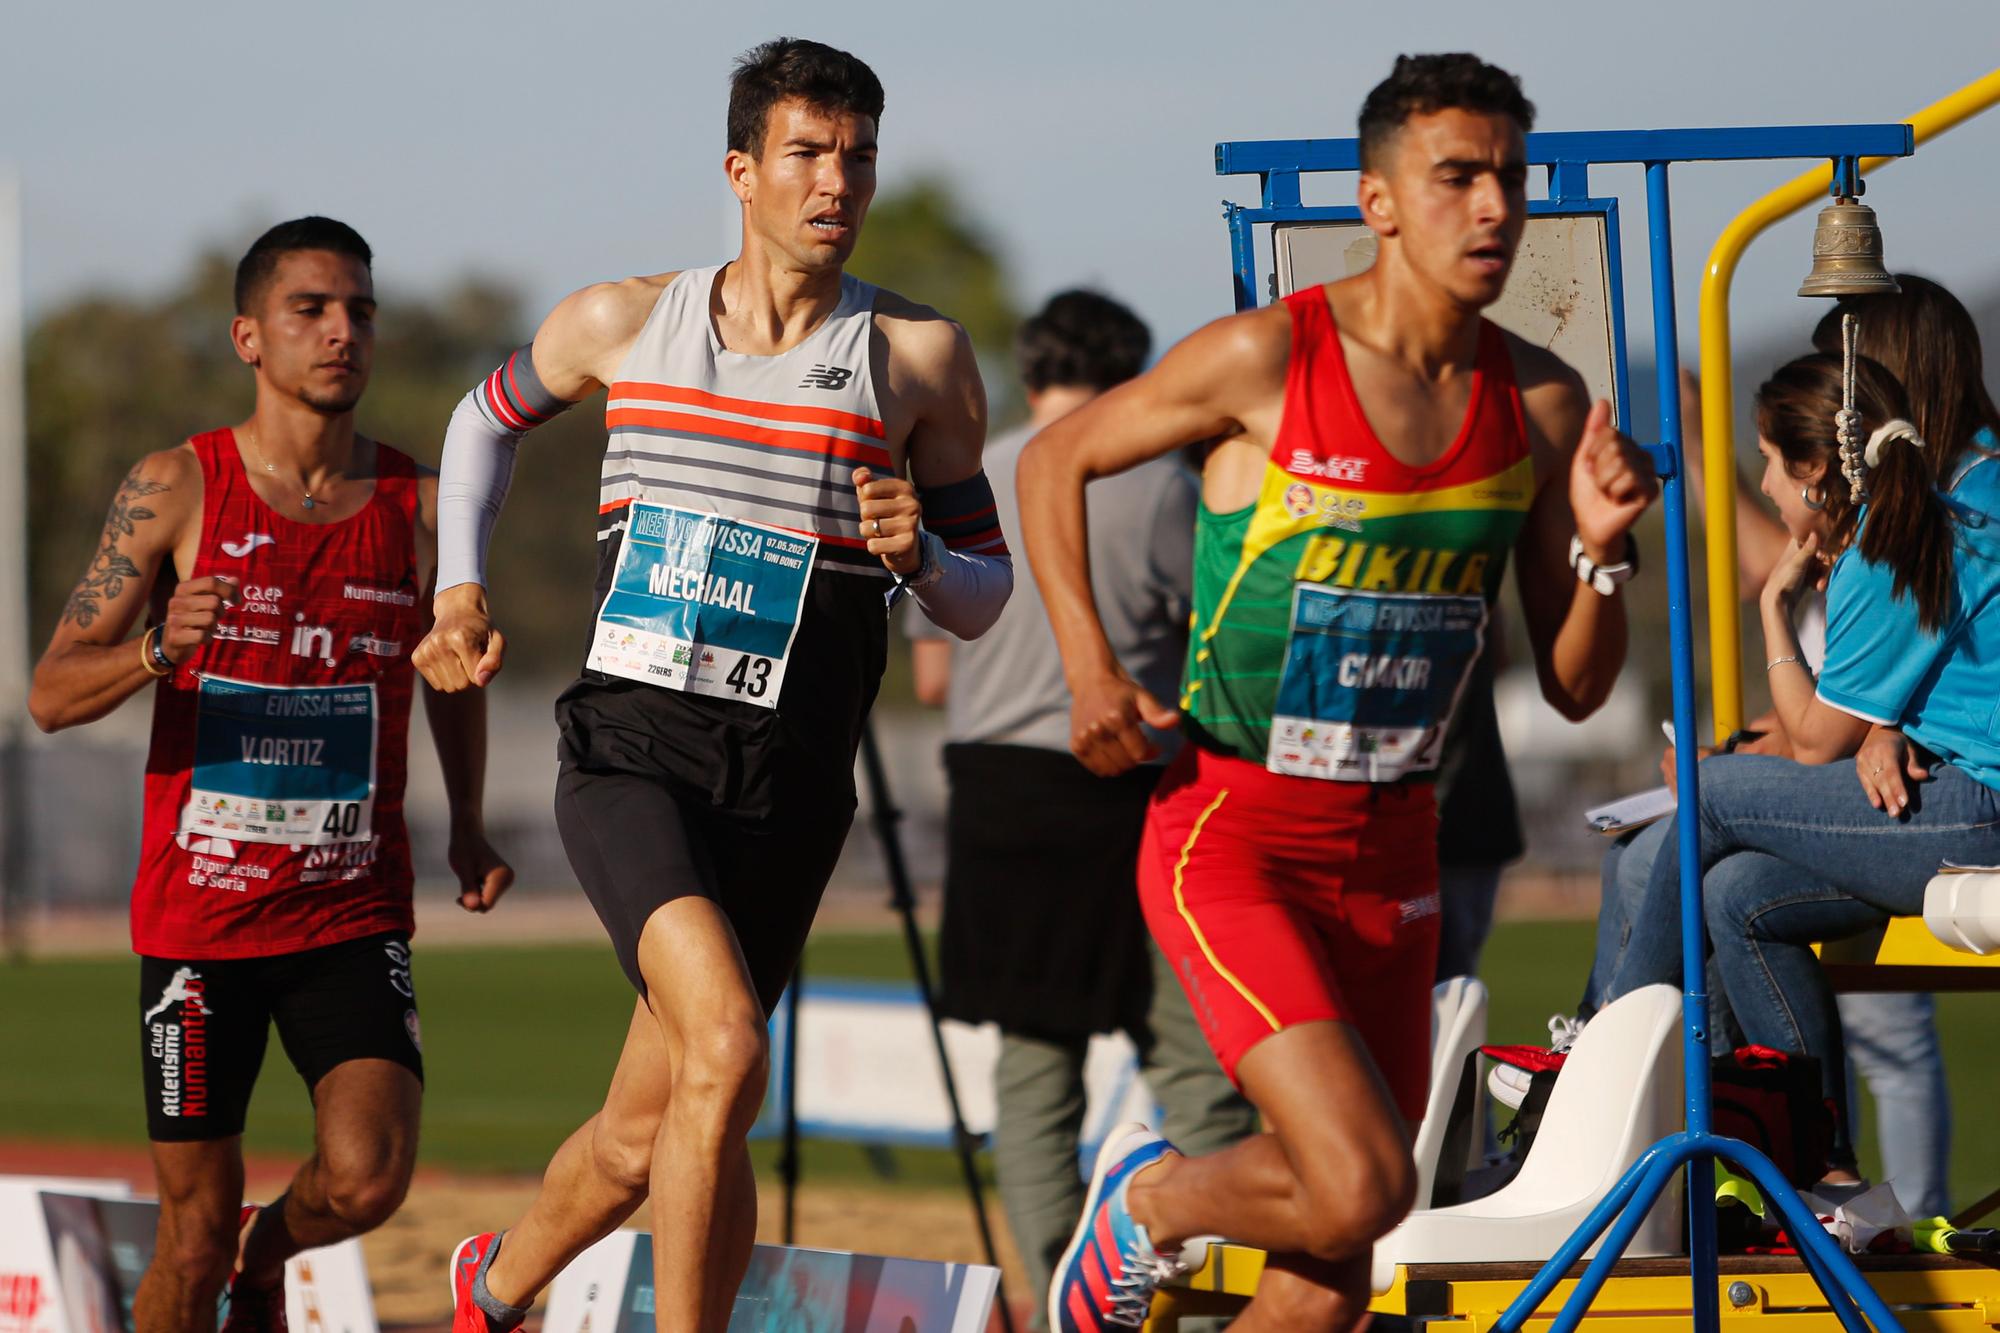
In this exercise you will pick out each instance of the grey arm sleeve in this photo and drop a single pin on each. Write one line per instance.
(473, 474)
(963, 592)
(478, 462)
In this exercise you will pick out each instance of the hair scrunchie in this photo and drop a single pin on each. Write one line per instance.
(1898, 429)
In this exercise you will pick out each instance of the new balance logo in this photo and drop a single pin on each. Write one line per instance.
(826, 377)
(251, 541)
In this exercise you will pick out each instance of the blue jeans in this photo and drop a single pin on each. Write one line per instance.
(1465, 917)
(1628, 874)
(1892, 1040)
(1793, 853)
(1628, 871)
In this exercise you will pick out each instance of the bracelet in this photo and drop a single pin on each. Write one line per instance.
(151, 657)
(1603, 579)
(1780, 661)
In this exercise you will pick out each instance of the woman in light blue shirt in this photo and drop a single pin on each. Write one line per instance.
(1794, 851)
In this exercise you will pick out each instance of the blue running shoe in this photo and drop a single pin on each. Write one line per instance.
(1107, 1276)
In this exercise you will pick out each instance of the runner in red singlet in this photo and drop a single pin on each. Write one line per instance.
(1383, 449)
(283, 569)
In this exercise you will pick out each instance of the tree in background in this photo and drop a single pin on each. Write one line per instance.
(920, 242)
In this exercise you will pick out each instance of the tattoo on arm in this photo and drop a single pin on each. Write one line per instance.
(105, 579)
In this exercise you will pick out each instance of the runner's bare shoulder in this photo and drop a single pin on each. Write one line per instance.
(585, 338)
(921, 351)
(1235, 365)
(1553, 396)
(167, 483)
(1255, 342)
(921, 339)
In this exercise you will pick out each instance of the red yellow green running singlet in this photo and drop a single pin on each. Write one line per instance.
(1337, 618)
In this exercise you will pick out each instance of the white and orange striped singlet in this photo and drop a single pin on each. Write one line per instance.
(768, 439)
(764, 439)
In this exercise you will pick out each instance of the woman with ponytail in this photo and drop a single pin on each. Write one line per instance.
(1926, 338)
(1792, 850)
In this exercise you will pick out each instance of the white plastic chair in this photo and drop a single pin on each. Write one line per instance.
(1619, 1093)
(1458, 1028)
(1963, 911)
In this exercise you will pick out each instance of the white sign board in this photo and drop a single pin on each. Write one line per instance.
(31, 1291)
(99, 1248)
(868, 1071)
(1558, 296)
(609, 1289)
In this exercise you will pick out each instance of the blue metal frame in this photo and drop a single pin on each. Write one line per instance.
(1569, 157)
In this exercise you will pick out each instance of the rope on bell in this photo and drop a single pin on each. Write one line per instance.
(1847, 421)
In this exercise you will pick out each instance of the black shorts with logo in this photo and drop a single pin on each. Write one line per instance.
(204, 1024)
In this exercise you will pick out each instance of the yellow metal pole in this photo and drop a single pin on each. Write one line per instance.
(1725, 643)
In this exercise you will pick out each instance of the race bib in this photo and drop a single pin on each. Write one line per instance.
(290, 764)
(703, 604)
(1370, 682)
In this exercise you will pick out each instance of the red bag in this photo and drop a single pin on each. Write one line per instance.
(1772, 1101)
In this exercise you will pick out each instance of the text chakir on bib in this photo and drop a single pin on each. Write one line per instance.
(1338, 616)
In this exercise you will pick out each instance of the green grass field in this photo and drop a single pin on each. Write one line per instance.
(519, 1043)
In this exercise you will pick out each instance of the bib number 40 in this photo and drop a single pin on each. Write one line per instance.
(750, 675)
(343, 818)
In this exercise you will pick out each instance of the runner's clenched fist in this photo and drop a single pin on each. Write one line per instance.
(193, 613)
(890, 520)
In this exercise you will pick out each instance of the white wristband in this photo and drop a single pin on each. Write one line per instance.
(1603, 579)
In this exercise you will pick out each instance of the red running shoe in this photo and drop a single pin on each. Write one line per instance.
(472, 1254)
(252, 1309)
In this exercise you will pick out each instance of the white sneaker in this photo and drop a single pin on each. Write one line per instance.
(1508, 1085)
(1563, 1032)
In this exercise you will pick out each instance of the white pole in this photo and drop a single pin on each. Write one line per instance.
(14, 649)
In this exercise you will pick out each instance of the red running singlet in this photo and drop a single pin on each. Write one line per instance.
(274, 786)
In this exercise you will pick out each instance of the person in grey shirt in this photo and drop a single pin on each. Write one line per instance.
(1042, 933)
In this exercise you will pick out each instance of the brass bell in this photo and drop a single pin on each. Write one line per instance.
(1847, 253)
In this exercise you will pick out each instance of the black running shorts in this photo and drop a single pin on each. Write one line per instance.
(203, 1026)
(636, 845)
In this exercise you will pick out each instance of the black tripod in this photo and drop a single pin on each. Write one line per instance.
(904, 901)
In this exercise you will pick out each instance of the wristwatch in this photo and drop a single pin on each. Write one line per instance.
(1603, 579)
(930, 563)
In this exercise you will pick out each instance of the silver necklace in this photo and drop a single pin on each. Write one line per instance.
(306, 495)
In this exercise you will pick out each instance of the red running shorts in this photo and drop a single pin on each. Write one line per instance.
(1283, 900)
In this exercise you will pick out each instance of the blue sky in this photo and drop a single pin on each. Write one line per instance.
(561, 144)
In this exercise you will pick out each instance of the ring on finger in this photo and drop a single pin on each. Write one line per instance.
(874, 527)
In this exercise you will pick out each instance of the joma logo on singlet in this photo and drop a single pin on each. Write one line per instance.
(826, 377)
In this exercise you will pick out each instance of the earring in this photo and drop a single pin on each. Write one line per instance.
(1806, 495)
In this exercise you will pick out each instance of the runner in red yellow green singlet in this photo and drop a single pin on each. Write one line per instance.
(1382, 450)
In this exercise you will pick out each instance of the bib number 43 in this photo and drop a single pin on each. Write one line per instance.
(750, 676)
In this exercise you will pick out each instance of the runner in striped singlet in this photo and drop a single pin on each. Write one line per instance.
(790, 451)
(1382, 449)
